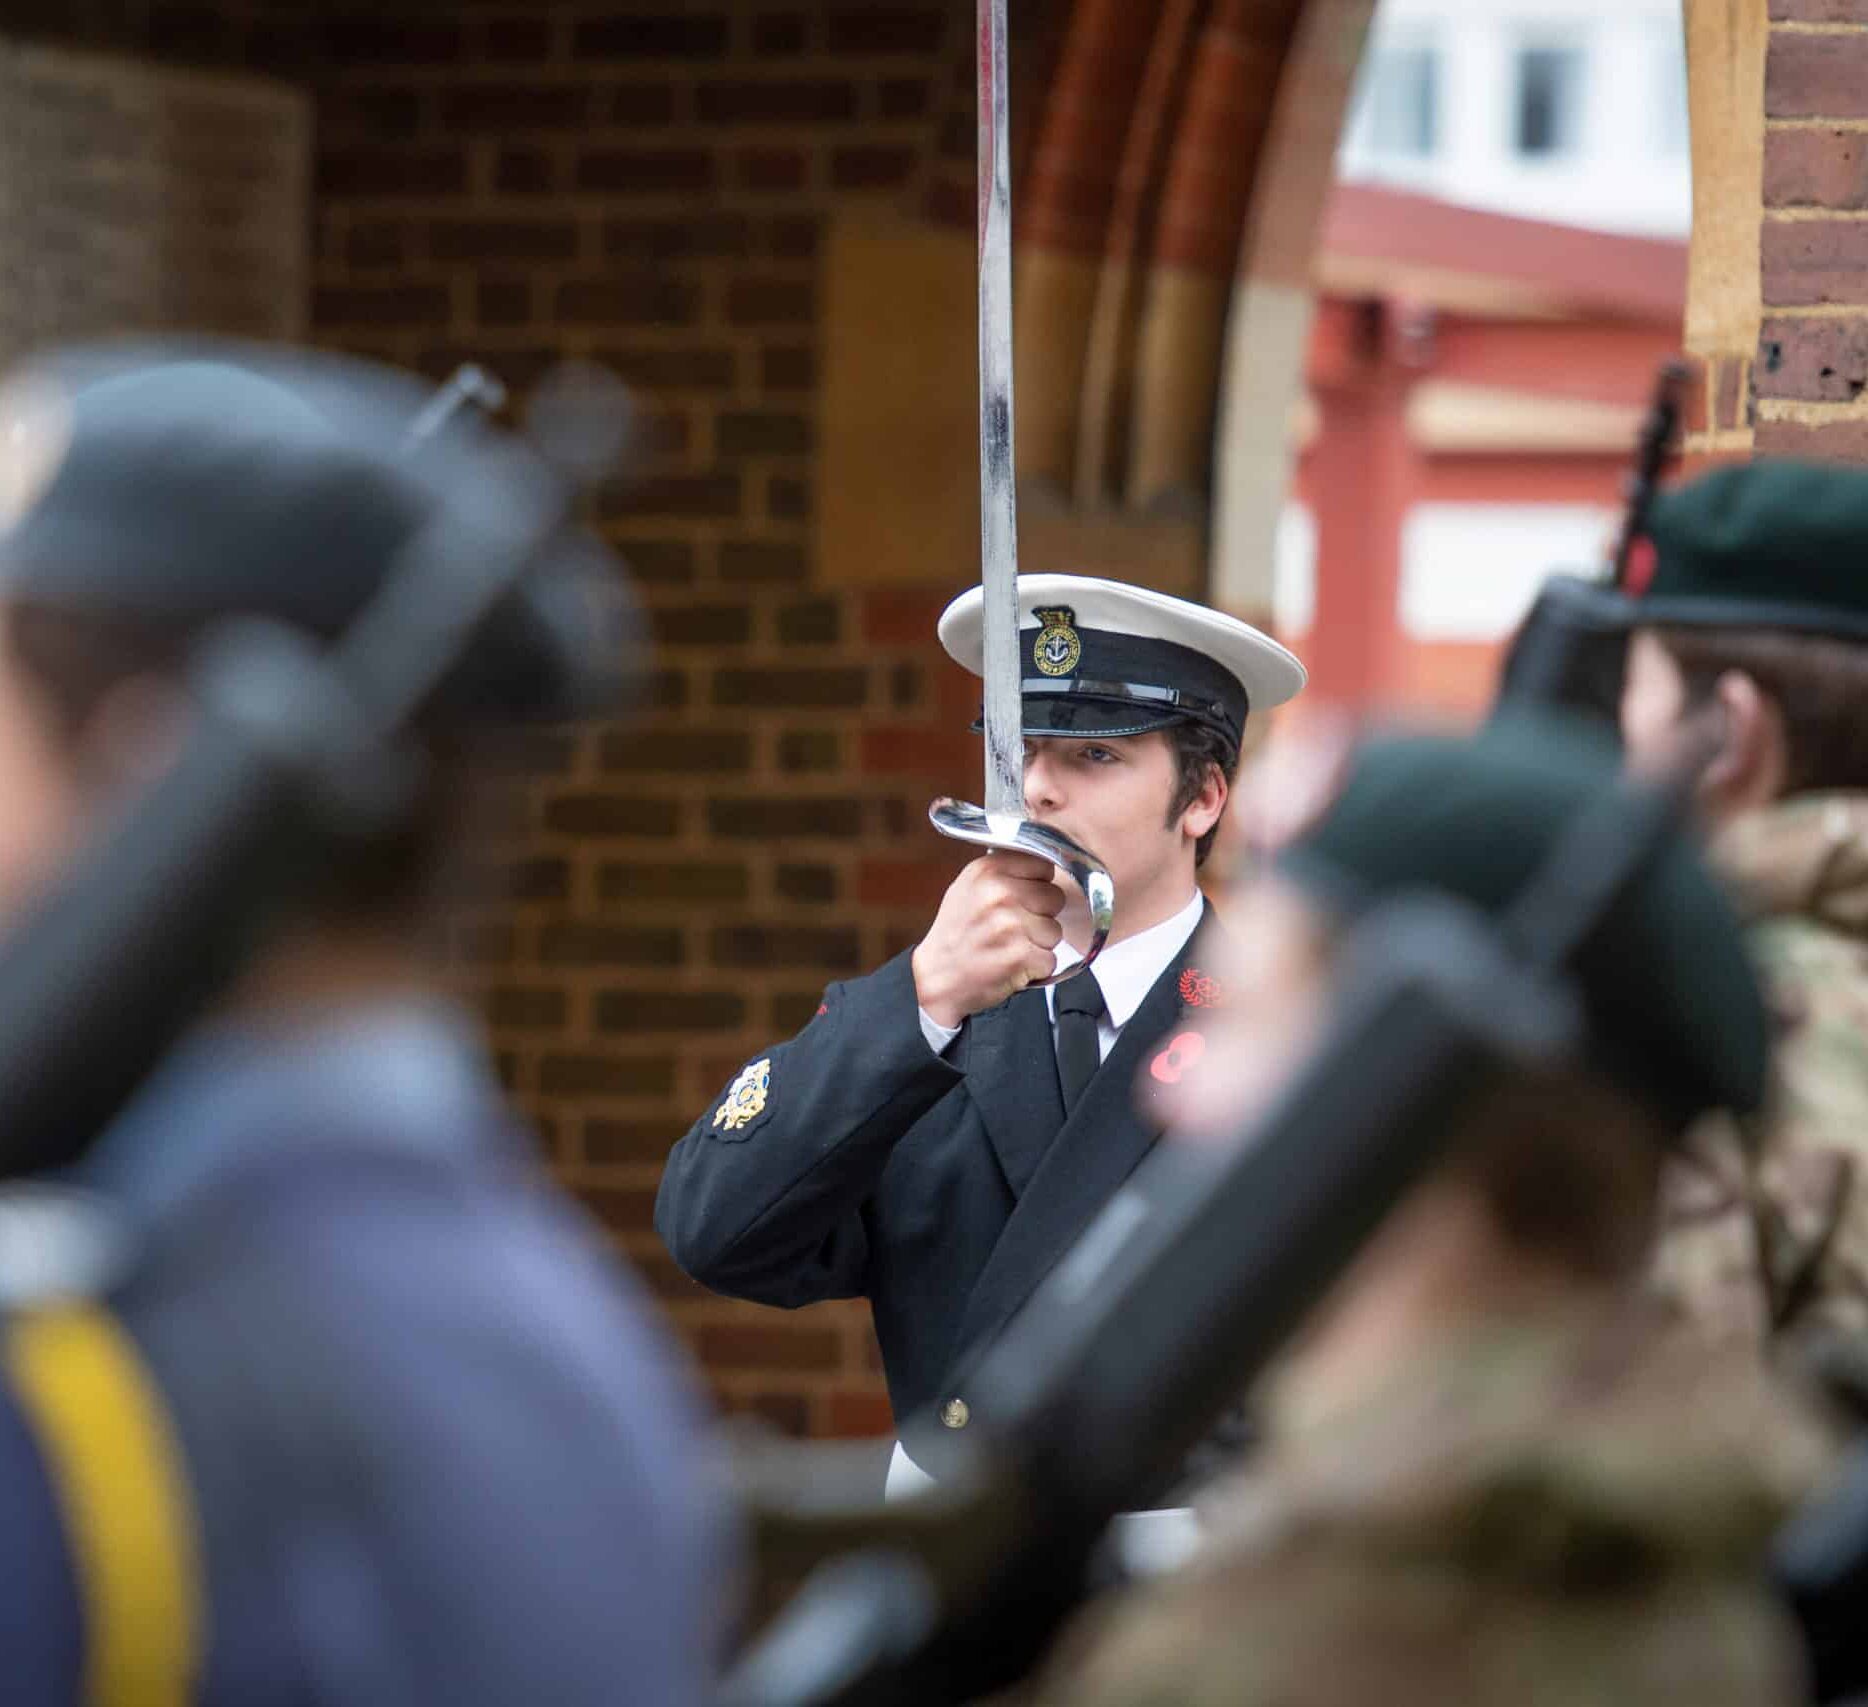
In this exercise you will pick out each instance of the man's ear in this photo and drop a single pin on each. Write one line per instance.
(1204, 810)
(1753, 758)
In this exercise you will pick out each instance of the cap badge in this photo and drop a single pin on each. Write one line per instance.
(744, 1101)
(1059, 648)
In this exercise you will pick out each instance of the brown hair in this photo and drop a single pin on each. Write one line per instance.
(1198, 750)
(1567, 1166)
(1818, 684)
(73, 661)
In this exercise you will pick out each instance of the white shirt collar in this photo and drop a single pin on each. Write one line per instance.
(1129, 969)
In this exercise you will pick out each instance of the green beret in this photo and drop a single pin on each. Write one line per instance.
(193, 481)
(1674, 1008)
(1757, 545)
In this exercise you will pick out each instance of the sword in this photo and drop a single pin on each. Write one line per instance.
(1002, 823)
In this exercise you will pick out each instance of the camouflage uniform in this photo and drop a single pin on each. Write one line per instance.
(1766, 1226)
(1560, 1511)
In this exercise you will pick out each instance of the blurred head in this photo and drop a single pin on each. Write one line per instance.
(149, 497)
(1558, 1167)
(1750, 621)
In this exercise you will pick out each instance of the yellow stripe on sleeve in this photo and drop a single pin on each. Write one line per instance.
(104, 1432)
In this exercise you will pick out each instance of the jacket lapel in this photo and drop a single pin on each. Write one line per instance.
(1011, 1075)
(1097, 1149)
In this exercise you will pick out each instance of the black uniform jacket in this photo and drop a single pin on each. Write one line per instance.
(854, 1162)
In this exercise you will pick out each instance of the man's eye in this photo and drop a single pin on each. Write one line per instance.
(1099, 755)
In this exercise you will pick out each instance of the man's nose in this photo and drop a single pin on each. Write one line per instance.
(1044, 788)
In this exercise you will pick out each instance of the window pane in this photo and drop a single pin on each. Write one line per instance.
(1549, 90)
(1404, 113)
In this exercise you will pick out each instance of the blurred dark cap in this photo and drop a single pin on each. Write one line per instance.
(190, 482)
(1675, 1012)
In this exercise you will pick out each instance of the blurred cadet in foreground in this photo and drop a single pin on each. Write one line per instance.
(311, 1390)
(1493, 1475)
(1750, 617)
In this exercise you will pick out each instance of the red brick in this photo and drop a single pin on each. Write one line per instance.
(770, 168)
(606, 1076)
(775, 33)
(757, 561)
(640, 1012)
(365, 172)
(503, 239)
(752, 818)
(905, 98)
(860, 1415)
(772, 1344)
(1819, 11)
(377, 243)
(516, 40)
(1815, 168)
(1816, 77)
(1817, 361)
(808, 689)
(671, 35)
(585, 944)
(672, 370)
(624, 1209)
(611, 815)
(805, 750)
(758, 301)
(892, 618)
(502, 108)
(382, 305)
(1693, 401)
(787, 368)
(704, 236)
(1830, 441)
(871, 168)
(915, 752)
(902, 883)
(887, 29)
(694, 495)
(646, 299)
(377, 115)
(1810, 261)
(706, 626)
(796, 236)
(365, 37)
(788, 498)
(747, 432)
(833, 948)
(525, 171)
(808, 885)
(646, 171)
(699, 881)
(1731, 402)
(527, 1009)
(812, 101)
(503, 302)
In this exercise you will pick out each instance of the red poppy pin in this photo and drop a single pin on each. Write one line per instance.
(1182, 1053)
(1200, 990)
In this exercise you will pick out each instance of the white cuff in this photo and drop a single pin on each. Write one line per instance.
(939, 1036)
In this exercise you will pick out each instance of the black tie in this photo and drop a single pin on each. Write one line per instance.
(1079, 1006)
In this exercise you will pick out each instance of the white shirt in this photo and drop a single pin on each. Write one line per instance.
(1126, 971)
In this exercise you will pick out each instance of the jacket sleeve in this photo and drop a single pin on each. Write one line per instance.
(764, 1197)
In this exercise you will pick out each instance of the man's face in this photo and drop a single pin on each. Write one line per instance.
(1112, 797)
(1273, 978)
(1653, 702)
(39, 808)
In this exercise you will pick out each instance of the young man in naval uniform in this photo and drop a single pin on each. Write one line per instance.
(940, 1133)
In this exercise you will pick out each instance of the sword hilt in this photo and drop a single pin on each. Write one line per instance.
(1011, 834)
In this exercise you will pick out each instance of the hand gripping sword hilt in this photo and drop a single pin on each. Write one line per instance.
(1020, 835)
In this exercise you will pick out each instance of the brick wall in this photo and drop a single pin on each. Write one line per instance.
(1808, 381)
(649, 184)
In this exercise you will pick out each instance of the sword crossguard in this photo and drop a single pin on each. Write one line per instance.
(1011, 834)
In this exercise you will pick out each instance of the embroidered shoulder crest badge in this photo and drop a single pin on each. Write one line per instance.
(744, 1101)
(1059, 648)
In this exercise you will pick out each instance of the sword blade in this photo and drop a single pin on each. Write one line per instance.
(998, 505)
